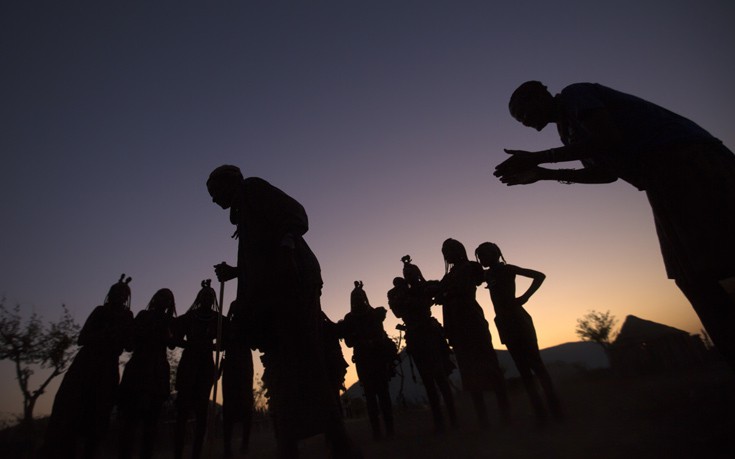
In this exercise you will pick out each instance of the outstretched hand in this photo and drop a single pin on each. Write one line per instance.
(519, 161)
(525, 177)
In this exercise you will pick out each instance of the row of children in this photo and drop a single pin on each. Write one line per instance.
(465, 333)
(92, 386)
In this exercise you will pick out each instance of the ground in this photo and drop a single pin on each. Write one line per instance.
(672, 415)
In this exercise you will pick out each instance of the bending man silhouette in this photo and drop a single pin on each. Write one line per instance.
(278, 302)
(688, 176)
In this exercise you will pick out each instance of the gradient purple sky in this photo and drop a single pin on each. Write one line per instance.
(384, 119)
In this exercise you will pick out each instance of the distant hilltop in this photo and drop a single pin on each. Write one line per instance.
(558, 359)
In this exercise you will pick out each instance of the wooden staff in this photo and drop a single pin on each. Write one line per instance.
(217, 350)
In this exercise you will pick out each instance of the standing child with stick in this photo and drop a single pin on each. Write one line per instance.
(196, 332)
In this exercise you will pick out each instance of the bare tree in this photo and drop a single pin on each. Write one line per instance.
(597, 327)
(34, 344)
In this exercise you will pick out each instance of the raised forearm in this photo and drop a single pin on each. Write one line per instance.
(584, 175)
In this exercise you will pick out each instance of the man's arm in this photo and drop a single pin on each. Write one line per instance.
(601, 134)
(535, 173)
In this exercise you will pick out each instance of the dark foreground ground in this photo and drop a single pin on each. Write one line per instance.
(657, 416)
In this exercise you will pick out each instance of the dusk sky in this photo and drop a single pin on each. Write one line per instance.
(385, 119)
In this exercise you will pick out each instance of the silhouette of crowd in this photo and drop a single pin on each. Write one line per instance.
(687, 175)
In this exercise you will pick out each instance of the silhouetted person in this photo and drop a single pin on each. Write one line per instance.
(515, 325)
(358, 296)
(237, 384)
(411, 299)
(196, 333)
(374, 354)
(145, 383)
(688, 176)
(87, 394)
(278, 298)
(468, 331)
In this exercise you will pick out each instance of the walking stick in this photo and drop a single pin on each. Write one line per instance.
(217, 350)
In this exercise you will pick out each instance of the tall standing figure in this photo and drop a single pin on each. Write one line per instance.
(196, 333)
(411, 299)
(87, 394)
(278, 300)
(688, 176)
(145, 384)
(374, 354)
(515, 325)
(468, 331)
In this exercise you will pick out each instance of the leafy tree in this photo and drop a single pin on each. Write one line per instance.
(32, 344)
(597, 327)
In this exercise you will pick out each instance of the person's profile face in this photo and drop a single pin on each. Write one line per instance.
(221, 191)
(450, 255)
(483, 258)
(487, 257)
(531, 112)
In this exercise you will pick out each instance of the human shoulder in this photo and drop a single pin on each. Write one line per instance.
(582, 92)
(583, 87)
(253, 185)
(256, 181)
(261, 190)
(510, 268)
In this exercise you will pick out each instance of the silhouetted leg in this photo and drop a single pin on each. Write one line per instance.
(479, 403)
(227, 427)
(552, 399)
(529, 383)
(501, 393)
(433, 396)
(371, 404)
(200, 430)
(247, 422)
(93, 433)
(716, 310)
(442, 383)
(150, 429)
(246, 428)
(127, 434)
(180, 432)
(521, 360)
(386, 408)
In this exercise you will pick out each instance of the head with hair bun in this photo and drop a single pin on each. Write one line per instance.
(119, 294)
(163, 302)
(206, 298)
(488, 254)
